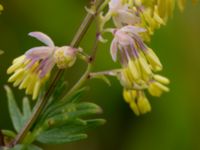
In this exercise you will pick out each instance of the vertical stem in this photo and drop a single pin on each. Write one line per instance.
(82, 30)
(41, 103)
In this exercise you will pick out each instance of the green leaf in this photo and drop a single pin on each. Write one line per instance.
(61, 87)
(8, 133)
(66, 115)
(93, 123)
(69, 132)
(57, 107)
(60, 122)
(14, 111)
(77, 95)
(45, 139)
(26, 110)
(18, 118)
(78, 107)
(87, 105)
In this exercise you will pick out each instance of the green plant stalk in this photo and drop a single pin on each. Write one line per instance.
(113, 72)
(86, 74)
(42, 102)
(81, 81)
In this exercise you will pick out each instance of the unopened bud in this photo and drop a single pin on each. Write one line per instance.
(65, 57)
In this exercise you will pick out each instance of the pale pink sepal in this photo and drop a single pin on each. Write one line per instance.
(43, 38)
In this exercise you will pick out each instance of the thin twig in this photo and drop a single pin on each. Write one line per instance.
(86, 74)
(107, 73)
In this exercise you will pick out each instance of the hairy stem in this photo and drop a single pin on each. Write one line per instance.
(43, 101)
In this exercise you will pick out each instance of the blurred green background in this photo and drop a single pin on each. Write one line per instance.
(174, 122)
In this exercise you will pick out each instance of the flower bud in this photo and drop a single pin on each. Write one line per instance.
(65, 57)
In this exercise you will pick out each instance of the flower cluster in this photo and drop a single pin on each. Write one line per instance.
(135, 22)
(31, 70)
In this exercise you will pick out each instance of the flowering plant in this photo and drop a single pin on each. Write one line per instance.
(58, 116)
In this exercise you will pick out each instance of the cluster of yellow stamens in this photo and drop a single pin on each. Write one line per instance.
(26, 78)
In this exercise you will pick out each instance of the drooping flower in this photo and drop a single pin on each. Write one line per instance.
(122, 14)
(133, 53)
(32, 70)
(139, 63)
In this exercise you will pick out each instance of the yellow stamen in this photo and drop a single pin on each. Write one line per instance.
(143, 104)
(161, 79)
(16, 75)
(36, 89)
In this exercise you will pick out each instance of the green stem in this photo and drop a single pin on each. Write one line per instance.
(86, 74)
(105, 73)
(82, 30)
(81, 81)
(42, 103)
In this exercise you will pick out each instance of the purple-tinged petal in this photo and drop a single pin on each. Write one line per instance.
(31, 63)
(114, 5)
(114, 49)
(39, 52)
(123, 38)
(133, 29)
(46, 67)
(140, 43)
(124, 58)
(43, 38)
(134, 51)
